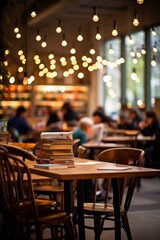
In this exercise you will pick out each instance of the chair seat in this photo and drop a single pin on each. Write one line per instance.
(49, 188)
(99, 207)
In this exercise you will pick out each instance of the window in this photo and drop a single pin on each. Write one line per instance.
(155, 63)
(112, 76)
(135, 51)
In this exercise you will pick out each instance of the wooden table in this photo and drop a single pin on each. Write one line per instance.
(24, 145)
(80, 173)
(126, 139)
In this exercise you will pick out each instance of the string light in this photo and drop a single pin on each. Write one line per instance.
(92, 51)
(64, 42)
(143, 50)
(59, 29)
(44, 43)
(95, 16)
(135, 20)
(134, 74)
(111, 50)
(38, 37)
(80, 37)
(16, 29)
(130, 40)
(140, 1)
(153, 32)
(73, 50)
(155, 47)
(33, 14)
(153, 61)
(114, 31)
(18, 35)
(98, 35)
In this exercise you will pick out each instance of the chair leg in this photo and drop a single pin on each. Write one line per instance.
(97, 226)
(126, 226)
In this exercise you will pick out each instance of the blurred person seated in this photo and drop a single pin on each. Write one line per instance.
(134, 119)
(150, 127)
(19, 127)
(84, 130)
(100, 117)
(129, 119)
(68, 113)
(53, 120)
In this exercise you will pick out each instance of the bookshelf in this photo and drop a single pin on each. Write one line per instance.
(37, 97)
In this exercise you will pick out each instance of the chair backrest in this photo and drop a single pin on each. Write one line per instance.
(127, 156)
(82, 151)
(4, 137)
(24, 154)
(18, 201)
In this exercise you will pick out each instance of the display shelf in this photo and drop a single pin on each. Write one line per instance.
(38, 97)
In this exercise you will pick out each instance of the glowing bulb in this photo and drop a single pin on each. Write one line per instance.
(51, 56)
(6, 51)
(80, 75)
(18, 35)
(33, 14)
(98, 35)
(38, 37)
(153, 61)
(140, 1)
(73, 50)
(59, 29)
(153, 32)
(114, 31)
(43, 44)
(95, 16)
(20, 69)
(12, 80)
(64, 42)
(92, 51)
(16, 30)
(134, 75)
(135, 20)
(80, 37)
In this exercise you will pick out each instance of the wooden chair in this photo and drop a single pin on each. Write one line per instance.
(23, 211)
(4, 137)
(102, 211)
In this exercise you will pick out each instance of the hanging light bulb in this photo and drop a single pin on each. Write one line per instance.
(64, 42)
(25, 78)
(92, 51)
(95, 16)
(140, 1)
(114, 31)
(18, 35)
(153, 32)
(143, 50)
(44, 44)
(59, 29)
(134, 74)
(80, 37)
(111, 50)
(16, 29)
(98, 35)
(155, 47)
(73, 50)
(153, 61)
(38, 37)
(135, 20)
(33, 13)
(131, 41)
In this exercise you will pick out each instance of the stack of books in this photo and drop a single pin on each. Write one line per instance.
(55, 148)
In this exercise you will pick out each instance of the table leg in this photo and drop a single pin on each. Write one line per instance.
(80, 201)
(116, 201)
(68, 202)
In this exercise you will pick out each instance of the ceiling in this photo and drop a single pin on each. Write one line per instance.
(74, 14)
